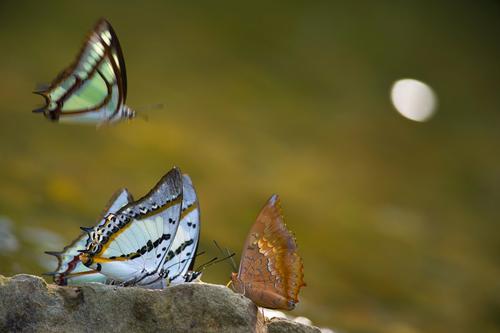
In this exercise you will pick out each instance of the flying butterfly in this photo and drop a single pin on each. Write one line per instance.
(271, 271)
(93, 89)
(143, 243)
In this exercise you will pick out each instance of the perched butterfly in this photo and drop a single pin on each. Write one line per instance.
(271, 271)
(134, 245)
(151, 242)
(70, 270)
(93, 89)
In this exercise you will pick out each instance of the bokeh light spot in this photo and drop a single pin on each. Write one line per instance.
(413, 99)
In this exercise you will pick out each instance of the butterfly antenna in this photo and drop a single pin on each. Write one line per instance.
(151, 107)
(212, 261)
(235, 269)
(199, 254)
(39, 110)
(41, 88)
(227, 254)
(205, 265)
(217, 246)
(194, 256)
(140, 111)
(142, 116)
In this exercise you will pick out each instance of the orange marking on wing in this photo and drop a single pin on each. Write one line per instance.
(70, 275)
(105, 260)
(189, 210)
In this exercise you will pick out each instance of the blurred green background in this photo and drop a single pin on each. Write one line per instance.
(397, 221)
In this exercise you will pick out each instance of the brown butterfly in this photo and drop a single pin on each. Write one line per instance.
(271, 272)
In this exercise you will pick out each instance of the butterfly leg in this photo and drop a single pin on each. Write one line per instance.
(163, 274)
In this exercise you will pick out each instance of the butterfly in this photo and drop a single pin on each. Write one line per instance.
(271, 271)
(70, 270)
(151, 242)
(93, 89)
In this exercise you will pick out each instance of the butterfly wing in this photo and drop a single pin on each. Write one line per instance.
(180, 258)
(271, 271)
(133, 244)
(94, 88)
(120, 199)
(70, 269)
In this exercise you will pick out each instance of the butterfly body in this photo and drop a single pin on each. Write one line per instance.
(271, 271)
(93, 89)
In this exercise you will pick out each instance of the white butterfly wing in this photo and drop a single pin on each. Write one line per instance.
(132, 245)
(182, 253)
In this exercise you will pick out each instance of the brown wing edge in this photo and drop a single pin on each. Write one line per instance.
(116, 44)
(281, 238)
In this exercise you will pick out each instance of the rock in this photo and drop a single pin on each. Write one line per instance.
(280, 325)
(29, 304)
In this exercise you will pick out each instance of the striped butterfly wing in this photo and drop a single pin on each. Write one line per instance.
(94, 88)
(271, 271)
(132, 245)
(178, 266)
(70, 270)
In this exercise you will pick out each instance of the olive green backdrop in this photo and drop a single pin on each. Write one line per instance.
(397, 221)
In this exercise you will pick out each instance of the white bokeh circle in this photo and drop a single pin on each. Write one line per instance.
(413, 99)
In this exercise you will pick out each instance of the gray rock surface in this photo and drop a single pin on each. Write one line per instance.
(280, 325)
(28, 304)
